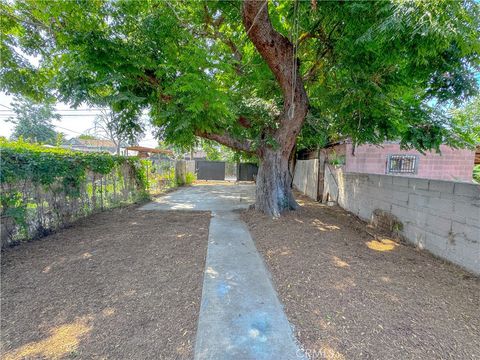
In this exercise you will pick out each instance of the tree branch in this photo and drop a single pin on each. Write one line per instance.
(227, 140)
(275, 48)
(216, 34)
(278, 52)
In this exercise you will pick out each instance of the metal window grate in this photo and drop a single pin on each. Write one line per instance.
(402, 164)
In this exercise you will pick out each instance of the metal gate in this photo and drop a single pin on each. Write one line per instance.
(210, 170)
(246, 171)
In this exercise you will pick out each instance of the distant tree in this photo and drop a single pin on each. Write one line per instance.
(60, 139)
(476, 173)
(33, 121)
(115, 126)
(217, 152)
(465, 121)
(212, 150)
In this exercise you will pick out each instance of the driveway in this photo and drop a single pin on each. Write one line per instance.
(206, 197)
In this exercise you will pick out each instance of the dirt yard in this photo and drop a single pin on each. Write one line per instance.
(124, 284)
(352, 297)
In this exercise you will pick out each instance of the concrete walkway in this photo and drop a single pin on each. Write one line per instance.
(240, 315)
(206, 198)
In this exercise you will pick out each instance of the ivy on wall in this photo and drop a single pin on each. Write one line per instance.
(42, 165)
(43, 188)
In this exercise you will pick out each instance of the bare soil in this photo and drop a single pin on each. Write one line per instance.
(350, 296)
(124, 284)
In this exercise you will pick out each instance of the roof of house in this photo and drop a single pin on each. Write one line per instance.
(149, 150)
(93, 142)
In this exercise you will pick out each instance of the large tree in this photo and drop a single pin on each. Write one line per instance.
(254, 75)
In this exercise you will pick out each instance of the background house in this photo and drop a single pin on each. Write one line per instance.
(144, 152)
(91, 145)
(195, 155)
(388, 158)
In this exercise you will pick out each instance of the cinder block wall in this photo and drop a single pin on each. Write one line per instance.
(442, 217)
(305, 178)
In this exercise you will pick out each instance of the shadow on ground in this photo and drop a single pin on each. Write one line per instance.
(350, 296)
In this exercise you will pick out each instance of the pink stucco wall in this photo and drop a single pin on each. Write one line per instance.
(451, 164)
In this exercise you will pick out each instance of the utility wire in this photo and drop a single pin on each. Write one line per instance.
(10, 110)
(73, 131)
(62, 115)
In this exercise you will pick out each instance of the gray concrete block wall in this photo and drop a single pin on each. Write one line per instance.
(442, 217)
(305, 178)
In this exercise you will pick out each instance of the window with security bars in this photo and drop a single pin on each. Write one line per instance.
(402, 164)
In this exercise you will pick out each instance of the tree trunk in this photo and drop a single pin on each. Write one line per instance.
(274, 192)
(274, 179)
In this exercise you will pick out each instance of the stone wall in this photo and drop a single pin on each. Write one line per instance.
(442, 217)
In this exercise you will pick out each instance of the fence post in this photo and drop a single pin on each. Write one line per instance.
(148, 183)
(94, 193)
(181, 172)
(101, 192)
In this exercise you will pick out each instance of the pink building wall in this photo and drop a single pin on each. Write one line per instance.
(451, 164)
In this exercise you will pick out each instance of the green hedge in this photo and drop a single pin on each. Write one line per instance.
(42, 165)
(44, 188)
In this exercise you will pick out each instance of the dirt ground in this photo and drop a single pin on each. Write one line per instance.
(352, 297)
(123, 284)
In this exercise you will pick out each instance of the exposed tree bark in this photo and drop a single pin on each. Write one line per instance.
(274, 184)
(274, 192)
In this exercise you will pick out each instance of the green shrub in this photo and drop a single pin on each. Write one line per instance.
(476, 173)
(336, 160)
(160, 176)
(190, 178)
(23, 161)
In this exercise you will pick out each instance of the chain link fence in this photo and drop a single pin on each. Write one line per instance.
(30, 210)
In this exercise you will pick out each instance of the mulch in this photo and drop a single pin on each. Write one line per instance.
(123, 284)
(351, 296)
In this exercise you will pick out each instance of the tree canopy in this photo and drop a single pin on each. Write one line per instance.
(467, 119)
(372, 70)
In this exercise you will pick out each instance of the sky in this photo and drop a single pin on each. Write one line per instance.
(74, 122)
